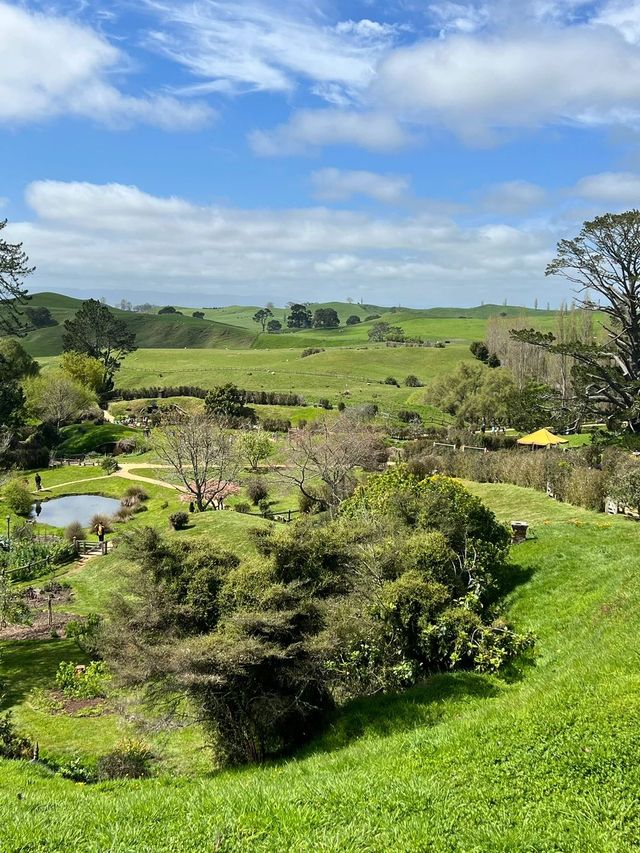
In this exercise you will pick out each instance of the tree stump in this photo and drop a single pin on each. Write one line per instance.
(519, 531)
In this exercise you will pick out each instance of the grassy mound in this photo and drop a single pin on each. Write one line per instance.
(543, 760)
(89, 438)
(168, 331)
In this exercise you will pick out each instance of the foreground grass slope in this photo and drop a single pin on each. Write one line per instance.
(545, 760)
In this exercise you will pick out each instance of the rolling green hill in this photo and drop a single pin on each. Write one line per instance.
(544, 759)
(168, 331)
(233, 327)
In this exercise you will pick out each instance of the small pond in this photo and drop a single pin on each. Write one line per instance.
(62, 511)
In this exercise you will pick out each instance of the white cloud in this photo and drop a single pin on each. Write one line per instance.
(117, 237)
(52, 66)
(624, 16)
(310, 129)
(476, 84)
(512, 197)
(341, 185)
(265, 45)
(619, 188)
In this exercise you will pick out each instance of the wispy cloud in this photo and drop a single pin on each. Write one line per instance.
(265, 45)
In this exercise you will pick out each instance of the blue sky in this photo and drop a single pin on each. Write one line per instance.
(216, 151)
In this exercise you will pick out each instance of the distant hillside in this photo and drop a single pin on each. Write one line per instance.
(233, 327)
(152, 331)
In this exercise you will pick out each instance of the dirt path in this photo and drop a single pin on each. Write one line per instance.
(126, 473)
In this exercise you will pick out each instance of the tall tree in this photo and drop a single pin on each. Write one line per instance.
(262, 317)
(97, 332)
(326, 318)
(603, 259)
(14, 268)
(299, 317)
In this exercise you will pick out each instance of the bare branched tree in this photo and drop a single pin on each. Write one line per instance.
(324, 457)
(203, 453)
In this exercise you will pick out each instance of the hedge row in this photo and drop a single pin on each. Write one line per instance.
(258, 398)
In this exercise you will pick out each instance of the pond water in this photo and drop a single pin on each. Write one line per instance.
(62, 511)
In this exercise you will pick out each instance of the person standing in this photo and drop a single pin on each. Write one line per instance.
(100, 532)
(38, 480)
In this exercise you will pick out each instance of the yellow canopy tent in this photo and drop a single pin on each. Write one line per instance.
(541, 438)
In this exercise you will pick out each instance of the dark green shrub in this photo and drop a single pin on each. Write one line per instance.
(412, 381)
(109, 464)
(257, 490)
(242, 506)
(325, 403)
(390, 380)
(265, 507)
(310, 351)
(179, 520)
(276, 424)
(12, 744)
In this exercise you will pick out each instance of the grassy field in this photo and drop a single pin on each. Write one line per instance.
(542, 760)
(353, 375)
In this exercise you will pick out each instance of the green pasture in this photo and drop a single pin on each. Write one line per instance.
(353, 375)
(543, 759)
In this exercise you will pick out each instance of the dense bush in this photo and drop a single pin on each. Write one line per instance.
(407, 416)
(179, 520)
(391, 380)
(242, 506)
(257, 490)
(262, 398)
(18, 497)
(109, 465)
(310, 351)
(129, 760)
(276, 424)
(403, 584)
(412, 381)
(325, 403)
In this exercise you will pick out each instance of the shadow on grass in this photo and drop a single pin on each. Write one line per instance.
(507, 579)
(26, 664)
(425, 705)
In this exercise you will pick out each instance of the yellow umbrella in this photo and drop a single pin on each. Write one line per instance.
(541, 438)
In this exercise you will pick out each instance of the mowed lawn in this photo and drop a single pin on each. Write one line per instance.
(543, 759)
